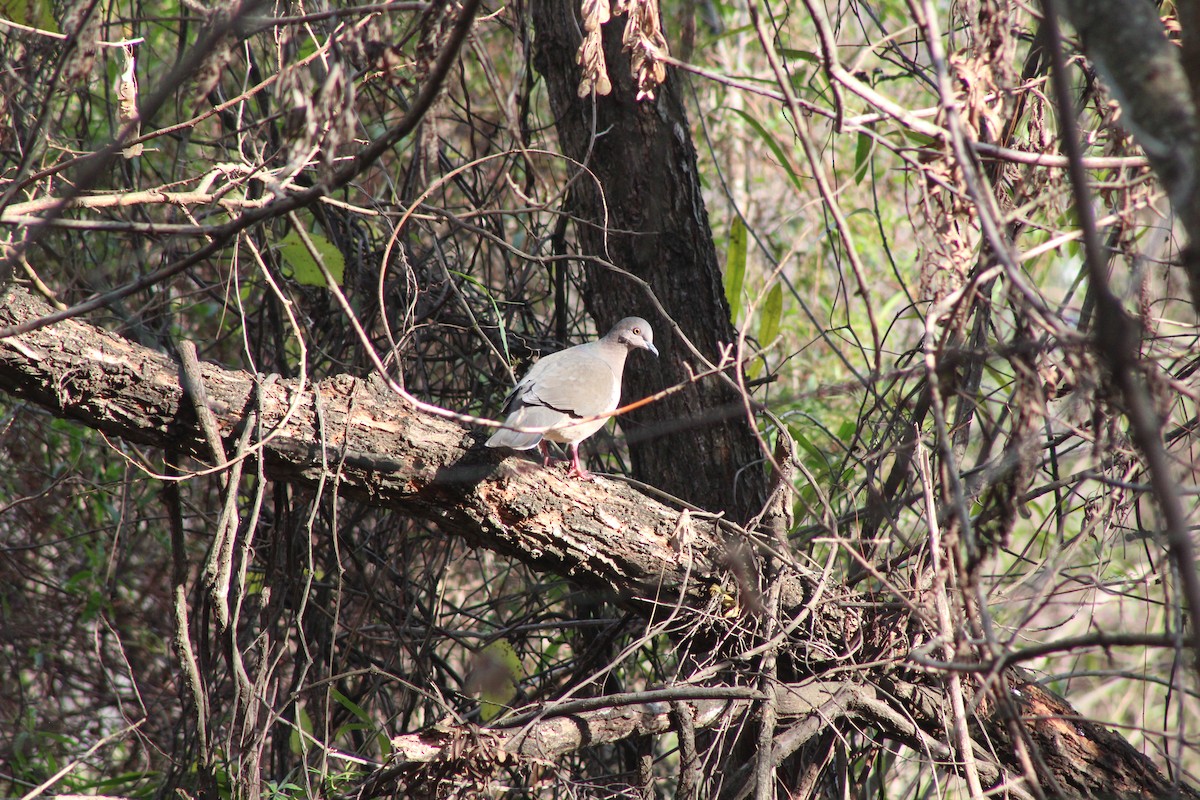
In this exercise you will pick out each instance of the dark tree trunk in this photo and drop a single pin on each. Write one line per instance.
(647, 216)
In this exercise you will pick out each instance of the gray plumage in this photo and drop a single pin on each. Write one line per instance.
(572, 384)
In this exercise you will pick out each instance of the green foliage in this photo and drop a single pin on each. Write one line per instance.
(862, 156)
(301, 264)
(773, 143)
(735, 266)
(276, 790)
(501, 671)
(364, 624)
(772, 313)
(34, 13)
(365, 723)
(770, 316)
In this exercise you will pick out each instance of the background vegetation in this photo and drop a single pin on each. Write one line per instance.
(923, 340)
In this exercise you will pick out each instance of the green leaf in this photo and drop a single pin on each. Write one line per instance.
(772, 313)
(368, 723)
(735, 267)
(302, 267)
(301, 733)
(863, 212)
(919, 139)
(775, 147)
(800, 55)
(730, 33)
(768, 325)
(806, 444)
(351, 706)
(34, 13)
(862, 156)
(499, 669)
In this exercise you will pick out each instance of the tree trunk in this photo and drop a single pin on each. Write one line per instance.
(640, 208)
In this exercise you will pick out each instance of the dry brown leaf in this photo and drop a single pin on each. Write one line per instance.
(643, 40)
(595, 13)
(127, 101)
(595, 70)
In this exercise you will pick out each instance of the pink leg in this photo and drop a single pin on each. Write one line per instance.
(544, 446)
(577, 469)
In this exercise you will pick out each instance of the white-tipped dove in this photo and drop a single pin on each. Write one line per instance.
(572, 384)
